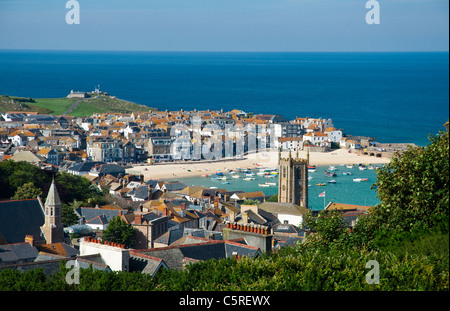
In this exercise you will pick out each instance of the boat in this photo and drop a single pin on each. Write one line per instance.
(263, 185)
(330, 174)
(332, 168)
(349, 165)
(362, 168)
(225, 182)
(346, 173)
(260, 173)
(331, 181)
(250, 174)
(249, 178)
(212, 187)
(271, 183)
(236, 176)
(360, 179)
(321, 184)
(311, 168)
(205, 175)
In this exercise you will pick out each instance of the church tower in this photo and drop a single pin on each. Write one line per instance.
(293, 180)
(53, 227)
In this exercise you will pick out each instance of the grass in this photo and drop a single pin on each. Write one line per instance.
(58, 106)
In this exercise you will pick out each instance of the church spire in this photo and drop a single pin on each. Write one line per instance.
(53, 196)
(53, 227)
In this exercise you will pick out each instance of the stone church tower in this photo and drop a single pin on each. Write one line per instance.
(53, 227)
(293, 180)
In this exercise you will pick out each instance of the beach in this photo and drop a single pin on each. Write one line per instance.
(259, 160)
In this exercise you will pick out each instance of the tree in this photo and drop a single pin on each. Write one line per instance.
(119, 231)
(251, 202)
(273, 198)
(68, 216)
(27, 191)
(414, 188)
(15, 174)
(327, 227)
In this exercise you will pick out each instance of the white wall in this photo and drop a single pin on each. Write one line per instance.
(295, 220)
(115, 257)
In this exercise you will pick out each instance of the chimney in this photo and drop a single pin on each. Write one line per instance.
(137, 219)
(150, 192)
(245, 217)
(29, 239)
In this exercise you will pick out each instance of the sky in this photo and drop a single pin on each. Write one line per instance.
(225, 25)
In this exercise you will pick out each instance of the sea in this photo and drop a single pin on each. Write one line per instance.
(399, 97)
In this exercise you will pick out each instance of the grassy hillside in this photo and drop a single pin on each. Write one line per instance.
(69, 106)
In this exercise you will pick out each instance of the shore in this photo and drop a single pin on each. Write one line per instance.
(260, 160)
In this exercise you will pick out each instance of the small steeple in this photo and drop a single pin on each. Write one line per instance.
(53, 196)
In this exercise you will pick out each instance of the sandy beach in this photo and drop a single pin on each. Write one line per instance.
(260, 160)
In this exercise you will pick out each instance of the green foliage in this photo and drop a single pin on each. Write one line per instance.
(119, 231)
(414, 188)
(68, 216)
(15, 174)
(27, 191)
(273, 198)
(251, 202)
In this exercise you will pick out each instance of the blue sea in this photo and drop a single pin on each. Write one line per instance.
(345, 190)
(395, 97)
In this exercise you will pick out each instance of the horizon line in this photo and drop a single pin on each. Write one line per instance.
(224, 51)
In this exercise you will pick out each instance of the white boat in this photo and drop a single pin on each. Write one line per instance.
(362, 168)
(260, 173)
(331, 181)
(271, 183)
(349, 165)
(250, 174)
(359, 179)
(332, 168)
(236, 176)
(346, 173)
(249, 178)
(212, 187)
(263, 185)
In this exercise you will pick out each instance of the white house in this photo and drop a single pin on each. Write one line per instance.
(315, 138)
(291, 143)
(334, 135)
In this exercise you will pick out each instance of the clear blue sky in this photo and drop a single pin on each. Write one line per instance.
(225, 25)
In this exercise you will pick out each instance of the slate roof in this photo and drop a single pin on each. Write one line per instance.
(145, 264)
(52, 196)
(283, 208)
(12, 253)
(84, 166)
(90, 213)
(175, 256)
(20, 218)
(112, 169)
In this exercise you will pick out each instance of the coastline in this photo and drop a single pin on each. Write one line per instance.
(260, 160)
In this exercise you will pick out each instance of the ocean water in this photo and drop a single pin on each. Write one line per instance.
(345, 190)
(395, 97)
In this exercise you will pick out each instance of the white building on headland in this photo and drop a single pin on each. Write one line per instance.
(77, 94)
